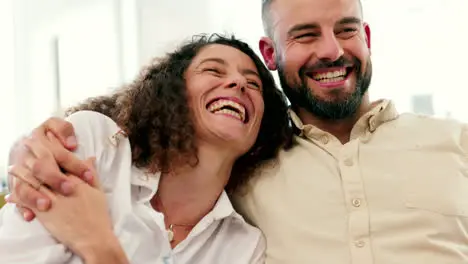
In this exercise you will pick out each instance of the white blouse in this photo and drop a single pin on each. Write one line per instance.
(222, 236)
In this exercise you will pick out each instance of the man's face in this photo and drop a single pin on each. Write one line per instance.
(321, 49)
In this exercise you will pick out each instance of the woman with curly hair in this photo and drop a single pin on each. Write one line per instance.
(168, 148)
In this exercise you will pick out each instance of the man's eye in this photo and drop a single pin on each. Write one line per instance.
(347, 32)
(307, 35)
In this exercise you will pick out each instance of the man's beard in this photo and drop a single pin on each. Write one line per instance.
(301, 96)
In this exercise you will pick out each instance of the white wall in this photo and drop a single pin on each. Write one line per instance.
(7, 87)
(418, 47)
(164, 24)
(88, 53)
(90, 59)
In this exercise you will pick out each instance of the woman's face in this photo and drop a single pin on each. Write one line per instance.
(225, 95)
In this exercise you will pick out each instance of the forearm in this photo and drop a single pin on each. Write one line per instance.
(115, 257)
(109, 252)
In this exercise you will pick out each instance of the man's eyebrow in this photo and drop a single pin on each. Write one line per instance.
(305, 26)
(300, 27)
(349, 20)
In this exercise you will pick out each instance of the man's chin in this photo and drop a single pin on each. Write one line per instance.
(335, 95)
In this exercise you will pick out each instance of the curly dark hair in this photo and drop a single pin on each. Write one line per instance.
(153, 112)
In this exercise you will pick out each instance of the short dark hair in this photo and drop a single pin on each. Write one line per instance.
(266, 17)
(154, 114)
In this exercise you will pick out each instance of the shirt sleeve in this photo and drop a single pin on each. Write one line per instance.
(29, 242)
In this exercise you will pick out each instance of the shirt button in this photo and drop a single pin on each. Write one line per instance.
(359, 243)
(324, 139)
(348, 162)
(356, 202)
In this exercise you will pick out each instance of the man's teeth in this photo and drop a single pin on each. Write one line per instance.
(332, 76)
(219, 107)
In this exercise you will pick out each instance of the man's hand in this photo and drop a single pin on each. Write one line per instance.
(39, 160)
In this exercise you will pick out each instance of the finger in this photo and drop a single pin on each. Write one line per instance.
(68, 161)
(27, 213)
(90, 162)
(44, 168)
(24, 174)
(26, 195)
(62, 129)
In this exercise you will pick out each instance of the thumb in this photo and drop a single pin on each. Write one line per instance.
(91, 163)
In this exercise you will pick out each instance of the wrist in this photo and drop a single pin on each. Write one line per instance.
(102, 251)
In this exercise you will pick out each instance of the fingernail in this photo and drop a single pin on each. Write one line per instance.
(7, 198)
(41, 204)
(71, 141)
(26, 215)
(88, 176)
(66, 187)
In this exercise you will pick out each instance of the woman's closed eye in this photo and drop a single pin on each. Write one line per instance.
(213, 70)
(254, 85)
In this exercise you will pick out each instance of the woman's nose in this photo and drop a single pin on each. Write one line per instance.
(237, 83)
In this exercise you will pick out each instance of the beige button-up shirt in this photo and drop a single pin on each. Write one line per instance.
(396, 193)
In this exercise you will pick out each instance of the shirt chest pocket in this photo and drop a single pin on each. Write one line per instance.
(442, 190)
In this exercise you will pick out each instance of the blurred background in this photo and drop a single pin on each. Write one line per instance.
(55, 53)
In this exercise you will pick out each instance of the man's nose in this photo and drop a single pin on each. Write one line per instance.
(329, 48)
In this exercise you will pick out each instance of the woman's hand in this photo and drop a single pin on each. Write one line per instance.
(81, 221)
(56, 140)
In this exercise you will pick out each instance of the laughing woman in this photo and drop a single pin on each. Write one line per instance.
(168, 148)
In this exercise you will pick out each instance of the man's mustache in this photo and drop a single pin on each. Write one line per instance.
(341, 62)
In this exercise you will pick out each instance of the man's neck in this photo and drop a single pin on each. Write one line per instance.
(191, 192)
(341, 129)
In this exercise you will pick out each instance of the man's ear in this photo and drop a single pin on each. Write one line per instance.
(368, 35)
(268, 51)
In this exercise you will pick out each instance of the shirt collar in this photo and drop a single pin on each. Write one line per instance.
(381, 112)
(148, 185)
(223, 208)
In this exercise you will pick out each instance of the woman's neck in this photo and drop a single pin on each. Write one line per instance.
(190, 193)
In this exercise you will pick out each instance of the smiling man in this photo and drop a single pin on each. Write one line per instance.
(321, 50)
(363, 184)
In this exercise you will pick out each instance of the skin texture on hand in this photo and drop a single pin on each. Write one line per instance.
(46, 153)
(81, 220)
